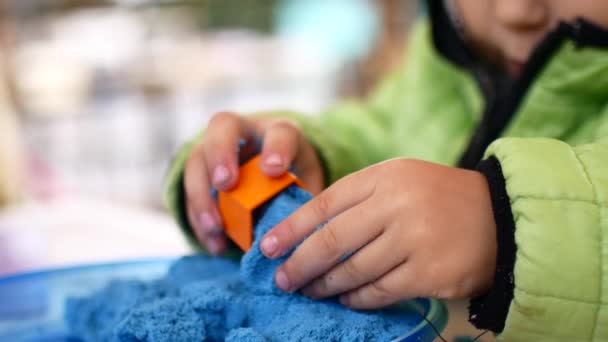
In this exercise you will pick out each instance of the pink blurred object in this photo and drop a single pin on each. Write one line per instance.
(42, 183)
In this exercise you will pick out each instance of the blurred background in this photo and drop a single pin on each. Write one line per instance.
(96, 96)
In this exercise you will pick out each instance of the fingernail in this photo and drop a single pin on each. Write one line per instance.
(282, 281)
(344, 300)
(273, 160)
(269, 245)
(213, 246)
(220, 175)
(208, 223)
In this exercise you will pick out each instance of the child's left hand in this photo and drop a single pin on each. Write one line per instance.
(417, 229)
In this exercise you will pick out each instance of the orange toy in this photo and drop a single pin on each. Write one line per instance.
(252, 190)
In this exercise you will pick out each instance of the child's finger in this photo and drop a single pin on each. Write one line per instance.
(342, 195)
(216, 244)
(344, 234)
(220, 145)
(280, 147)
(398, 284)
(204, 216)
(196, 229)
(365, 266)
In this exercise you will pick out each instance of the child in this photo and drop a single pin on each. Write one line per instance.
(502, 113)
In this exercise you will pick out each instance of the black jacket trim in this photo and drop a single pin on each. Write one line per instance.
(450, 44)
(489, 311)
(446, 38)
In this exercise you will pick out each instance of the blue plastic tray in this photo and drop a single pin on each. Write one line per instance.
(31, 304)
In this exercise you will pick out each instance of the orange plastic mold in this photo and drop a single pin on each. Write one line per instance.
(252, 190)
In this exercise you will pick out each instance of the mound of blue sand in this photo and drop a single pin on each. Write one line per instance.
(215, 299)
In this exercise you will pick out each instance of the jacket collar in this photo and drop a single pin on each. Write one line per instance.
(562, 49)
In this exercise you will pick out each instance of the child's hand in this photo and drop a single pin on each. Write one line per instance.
(214, 163)
(417, 229)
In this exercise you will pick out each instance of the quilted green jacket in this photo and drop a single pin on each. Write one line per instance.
(543, 146)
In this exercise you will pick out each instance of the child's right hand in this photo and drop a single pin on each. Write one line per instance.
(214, 163)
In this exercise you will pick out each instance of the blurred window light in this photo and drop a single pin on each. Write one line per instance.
(110, 89)
(344, 28)
(110, 92)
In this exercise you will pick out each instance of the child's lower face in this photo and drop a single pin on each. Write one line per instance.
(506, 31)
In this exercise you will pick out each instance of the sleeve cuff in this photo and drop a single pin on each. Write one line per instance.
(489, 311)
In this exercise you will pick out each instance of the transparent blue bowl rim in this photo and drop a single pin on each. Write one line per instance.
(84, 267)
(433, 312)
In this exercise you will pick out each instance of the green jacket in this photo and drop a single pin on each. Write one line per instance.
(547, 167)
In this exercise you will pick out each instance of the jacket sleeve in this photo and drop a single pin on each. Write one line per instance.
(353, 134)
(552, 220)
(347, 137)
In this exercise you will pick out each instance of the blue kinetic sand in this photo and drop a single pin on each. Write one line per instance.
(33, 305)
(197, 298)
